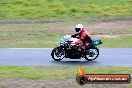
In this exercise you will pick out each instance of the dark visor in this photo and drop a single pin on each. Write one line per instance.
(77, 29)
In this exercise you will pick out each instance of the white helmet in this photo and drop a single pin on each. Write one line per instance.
(78, 27)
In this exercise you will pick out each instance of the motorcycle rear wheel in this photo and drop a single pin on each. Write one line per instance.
(92, 55)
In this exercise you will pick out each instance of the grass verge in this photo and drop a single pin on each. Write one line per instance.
(122, 42)
(56, 72)
(21, 9)
(46, 35)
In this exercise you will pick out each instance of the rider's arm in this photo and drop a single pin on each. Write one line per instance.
(81, 38)
(75, 35)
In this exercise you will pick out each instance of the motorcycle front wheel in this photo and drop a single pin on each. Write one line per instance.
(58, 53)
(92, 54)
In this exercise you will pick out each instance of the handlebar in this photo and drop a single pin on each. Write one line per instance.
(69, 41)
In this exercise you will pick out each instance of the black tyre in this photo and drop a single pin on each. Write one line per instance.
(92, 54)
(58, 53)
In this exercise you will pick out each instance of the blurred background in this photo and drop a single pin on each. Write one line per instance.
(40, 23)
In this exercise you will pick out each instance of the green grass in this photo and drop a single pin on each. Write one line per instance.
(123, 42)
(36, 9)
(47, 35)
(56, 72)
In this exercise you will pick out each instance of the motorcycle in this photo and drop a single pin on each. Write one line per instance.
(69, 49)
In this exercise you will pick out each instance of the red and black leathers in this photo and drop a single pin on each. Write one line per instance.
(83, 36)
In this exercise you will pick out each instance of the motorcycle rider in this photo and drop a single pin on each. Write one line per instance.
(84, 37)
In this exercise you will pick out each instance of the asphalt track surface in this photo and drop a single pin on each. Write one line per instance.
(42, 57)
